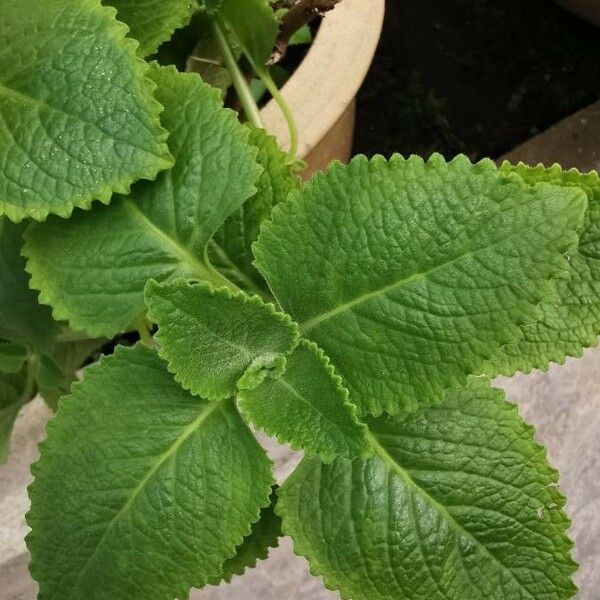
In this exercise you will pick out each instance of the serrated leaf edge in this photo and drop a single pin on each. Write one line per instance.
(224, 292)
(120, 186)
(330, 583)
(51, 426)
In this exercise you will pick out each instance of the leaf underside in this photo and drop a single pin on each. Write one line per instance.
(152, 22)
(92, 269)
(572, 322)
(77, 118)
(214, 338)
(141, 490)
(458, 503)
(411, 275)
(265, 534)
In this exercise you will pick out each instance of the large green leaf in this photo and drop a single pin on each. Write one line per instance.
(22, 318)
(77, 117)
(411, 275)
(255, 26)
(215, 340)
(457, 504)
(231, 247)
(264, 535)
(13, 395)
(153, 22)
(307, 407)
(571, 323)
(141, 490)
(93, 268)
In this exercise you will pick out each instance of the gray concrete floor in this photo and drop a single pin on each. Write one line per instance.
(563, 404)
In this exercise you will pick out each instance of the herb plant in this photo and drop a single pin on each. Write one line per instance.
(358, 318)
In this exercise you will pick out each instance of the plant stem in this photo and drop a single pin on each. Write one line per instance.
(141, 324)
(239, 81)
(285, 109)
(29, 382)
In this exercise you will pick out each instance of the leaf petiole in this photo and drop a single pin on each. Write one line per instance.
(239, 81)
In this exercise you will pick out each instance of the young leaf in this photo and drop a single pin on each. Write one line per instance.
(12, 357)
(307, 407)
(12, 398)
(411, 275)
(231, 248)
(78, 118)
(22, 319)
(265, 534)
(93, 268)
(458, 503)
(141, 490)
(213, 339)
(571, 323)
(153, 22)
(255, 27)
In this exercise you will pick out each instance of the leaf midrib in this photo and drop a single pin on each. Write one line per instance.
(405, 476)
(206, 412)
(348, 305)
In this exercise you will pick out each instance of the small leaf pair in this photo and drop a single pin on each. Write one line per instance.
(220, 344)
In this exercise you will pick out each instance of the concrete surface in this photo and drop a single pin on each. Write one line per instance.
(563, 404)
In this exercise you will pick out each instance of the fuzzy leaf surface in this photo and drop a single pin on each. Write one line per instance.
(78, 121)
(458, 503)
(152, 22)
(572, 322)
(22, 319)
(307, 407)
(264, 535)
(231, 247)
(141, 490)
(411, 275)
(212, 339)
(12, 387)
(93, 268)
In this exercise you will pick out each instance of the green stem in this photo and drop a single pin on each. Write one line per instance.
(237, 77)
(30, 380)
(142, 326)
(285, 109)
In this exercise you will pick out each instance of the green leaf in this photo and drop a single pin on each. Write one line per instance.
(307, 407)
(12, 397)
(571, 323)
(12, 357)
(264, 535)
(56, 372)
(255, 27)
(152, 22)
(411, 275)
(77, 118)
(210, 6)
(142, 490)
(458, 503)
(213, 338)
(22, 319)
(231, 248)
(93, 268)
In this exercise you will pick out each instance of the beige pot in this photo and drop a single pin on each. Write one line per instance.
(321, 93)
(588, 9)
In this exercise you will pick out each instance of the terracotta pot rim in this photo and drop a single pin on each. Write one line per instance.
(328, 79)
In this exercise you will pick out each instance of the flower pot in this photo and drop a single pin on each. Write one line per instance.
(588, 9)
(321, 93)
